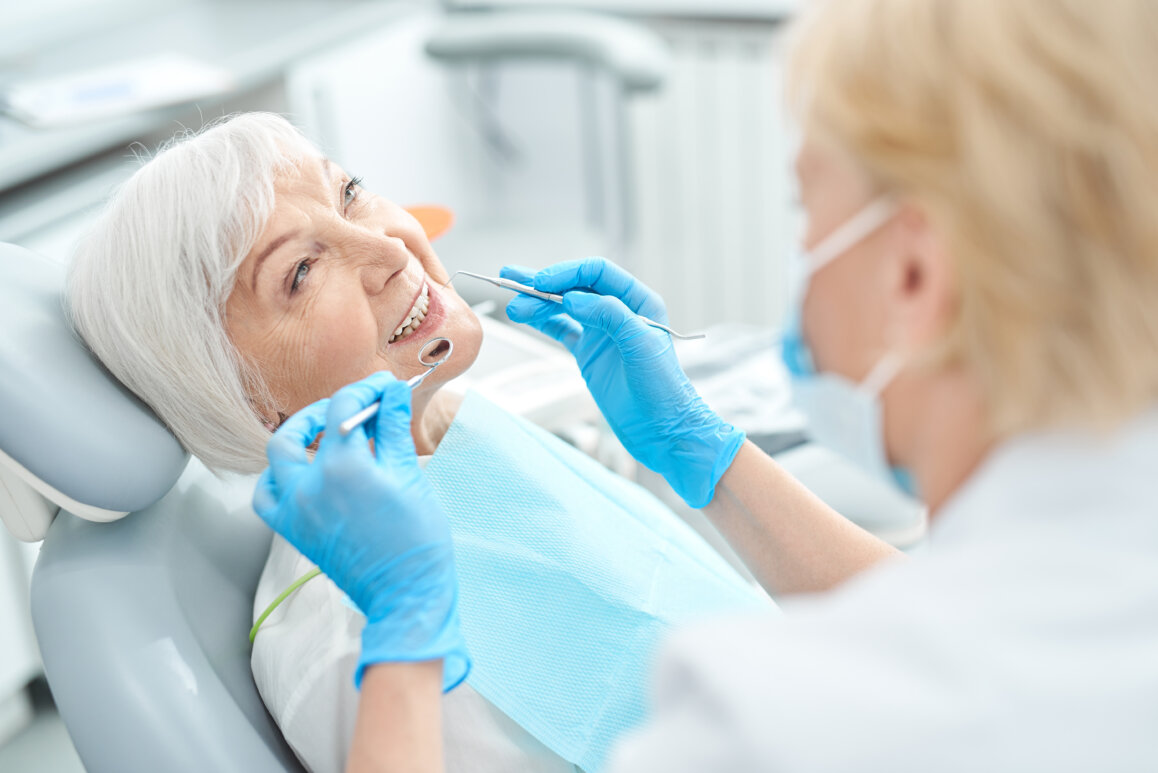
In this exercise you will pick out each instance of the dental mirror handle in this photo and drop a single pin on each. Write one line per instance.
(367, 413)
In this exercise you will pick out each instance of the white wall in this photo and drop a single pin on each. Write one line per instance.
(413, 128)
(31, 28)
(711, 154)
(380, 108)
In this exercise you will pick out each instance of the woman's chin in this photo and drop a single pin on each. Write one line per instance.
(467, 344)
(467, 338)
(466, 334)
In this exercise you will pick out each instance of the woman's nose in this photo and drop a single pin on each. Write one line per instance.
(382, 257)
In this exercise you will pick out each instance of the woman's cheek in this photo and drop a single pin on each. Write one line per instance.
(430, 263)
(468, 338)
(343, 343)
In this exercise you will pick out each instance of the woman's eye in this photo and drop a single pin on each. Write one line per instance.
(351, 191)
(300, 272)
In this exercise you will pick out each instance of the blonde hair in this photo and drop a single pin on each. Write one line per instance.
(1027, 131)
(148, 284)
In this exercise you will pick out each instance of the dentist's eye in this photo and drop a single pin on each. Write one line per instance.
(350, 192)
(300, 272)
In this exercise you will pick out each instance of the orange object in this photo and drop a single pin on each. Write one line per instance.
(435, 220)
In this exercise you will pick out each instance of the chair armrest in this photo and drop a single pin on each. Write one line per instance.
(637, 57)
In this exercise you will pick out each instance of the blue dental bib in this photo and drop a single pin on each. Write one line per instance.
(569, 577)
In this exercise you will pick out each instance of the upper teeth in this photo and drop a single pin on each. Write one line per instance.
(415, 316)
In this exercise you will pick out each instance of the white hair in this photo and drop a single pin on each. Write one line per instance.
(148, 285)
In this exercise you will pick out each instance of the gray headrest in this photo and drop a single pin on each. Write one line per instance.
(70, 431)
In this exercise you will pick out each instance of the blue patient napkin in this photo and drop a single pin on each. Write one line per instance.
(570, 576)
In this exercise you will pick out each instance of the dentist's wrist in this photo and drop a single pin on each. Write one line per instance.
(412, 614)
(390, 641)
(399, 725)
(699, 459)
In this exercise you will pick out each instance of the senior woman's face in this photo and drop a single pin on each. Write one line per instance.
(341, 284)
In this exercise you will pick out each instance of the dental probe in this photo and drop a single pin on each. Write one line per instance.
(367, 413)
(510, 284)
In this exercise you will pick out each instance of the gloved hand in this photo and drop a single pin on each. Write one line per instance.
(371, 522)
(631, 370)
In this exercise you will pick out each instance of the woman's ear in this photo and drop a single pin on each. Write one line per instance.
(923, 282)
(273, 426)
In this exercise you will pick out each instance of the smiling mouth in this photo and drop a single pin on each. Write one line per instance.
(415, 316)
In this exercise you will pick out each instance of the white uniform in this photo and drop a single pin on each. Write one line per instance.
(303, 664)
(1025, 638)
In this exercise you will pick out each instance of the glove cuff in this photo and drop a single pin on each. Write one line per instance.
(419, 620)
(393, 641)
(701, 460)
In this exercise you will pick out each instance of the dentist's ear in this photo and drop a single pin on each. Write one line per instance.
(923, 283)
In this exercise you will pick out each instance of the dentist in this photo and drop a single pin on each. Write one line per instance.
(979, 322)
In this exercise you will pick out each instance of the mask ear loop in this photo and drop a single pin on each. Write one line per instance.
(847, 235)
(882, 373)
(850, 232)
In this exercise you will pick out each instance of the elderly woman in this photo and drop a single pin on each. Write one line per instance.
(979, 178)
(240, 276)
(237, 277)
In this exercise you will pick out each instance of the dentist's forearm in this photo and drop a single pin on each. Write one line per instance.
(788, 537)
(399, 725)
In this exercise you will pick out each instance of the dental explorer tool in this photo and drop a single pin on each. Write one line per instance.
(362, 416)
(510, 284)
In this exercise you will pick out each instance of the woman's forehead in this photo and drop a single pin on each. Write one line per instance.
(300, 191)
(308, 173)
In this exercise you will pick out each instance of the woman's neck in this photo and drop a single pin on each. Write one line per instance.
(431, 416)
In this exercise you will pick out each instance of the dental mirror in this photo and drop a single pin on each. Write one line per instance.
(436, 353)
(432, 354)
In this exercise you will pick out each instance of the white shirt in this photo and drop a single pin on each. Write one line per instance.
(303, 662)
(1024, 638)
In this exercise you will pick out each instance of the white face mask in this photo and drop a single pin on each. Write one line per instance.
(843, 415)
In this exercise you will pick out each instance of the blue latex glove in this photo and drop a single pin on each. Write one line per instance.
(632, 371)
(371, 522)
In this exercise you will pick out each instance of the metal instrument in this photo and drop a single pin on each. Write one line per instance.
(510, 284)
(367, 413)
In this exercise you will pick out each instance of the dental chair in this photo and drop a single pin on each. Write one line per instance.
(142, 595)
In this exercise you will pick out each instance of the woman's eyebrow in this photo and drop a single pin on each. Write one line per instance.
(269, 248)
(327, 170)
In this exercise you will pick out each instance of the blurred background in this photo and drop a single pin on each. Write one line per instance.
(649, 131)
